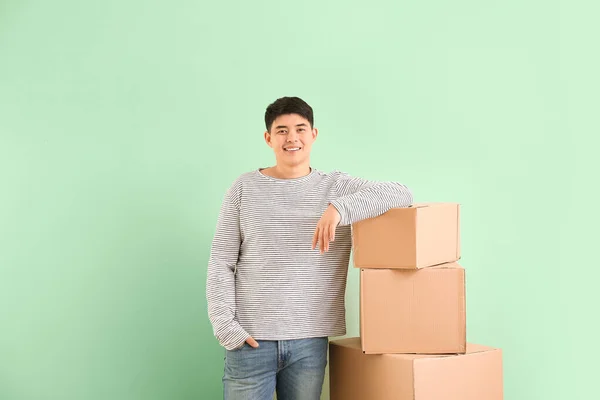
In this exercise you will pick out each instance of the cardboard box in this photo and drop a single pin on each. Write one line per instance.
(419, 236)
(413, 311)
(476, 375)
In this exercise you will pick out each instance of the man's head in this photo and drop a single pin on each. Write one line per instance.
(290, 133)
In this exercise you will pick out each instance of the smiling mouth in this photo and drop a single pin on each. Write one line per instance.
(292, 149)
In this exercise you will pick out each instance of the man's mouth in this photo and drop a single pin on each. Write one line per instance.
(291, 149)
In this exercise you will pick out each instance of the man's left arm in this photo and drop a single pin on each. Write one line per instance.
(359, 198)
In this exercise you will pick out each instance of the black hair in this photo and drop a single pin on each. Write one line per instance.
(288, 105)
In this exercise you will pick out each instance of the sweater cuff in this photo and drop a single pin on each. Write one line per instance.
(234, 339)
(339, 206)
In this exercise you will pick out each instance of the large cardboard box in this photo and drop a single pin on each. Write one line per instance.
(476, 375)
(413, 311)
(419, 236)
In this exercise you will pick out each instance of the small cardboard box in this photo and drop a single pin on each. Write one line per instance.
(413, 311)
(419, 236)
(475, 375)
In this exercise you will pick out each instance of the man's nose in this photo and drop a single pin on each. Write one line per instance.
(292, 136)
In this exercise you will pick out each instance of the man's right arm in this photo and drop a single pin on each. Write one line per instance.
(220, 282)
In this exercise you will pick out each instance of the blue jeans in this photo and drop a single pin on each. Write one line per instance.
(293, 368)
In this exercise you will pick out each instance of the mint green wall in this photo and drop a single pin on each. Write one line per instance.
(122, 124)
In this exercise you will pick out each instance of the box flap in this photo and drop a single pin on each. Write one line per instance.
(352, 343)
(432, 204)
(478, 348)
(453, 264)
(472, 348)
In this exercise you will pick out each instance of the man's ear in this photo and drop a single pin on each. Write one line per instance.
(268, 139)
(315, 132)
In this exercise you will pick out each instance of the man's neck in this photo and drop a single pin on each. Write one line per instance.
(288, 172)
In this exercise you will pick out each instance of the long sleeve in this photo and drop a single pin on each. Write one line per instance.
(360, 199)
(220, 284)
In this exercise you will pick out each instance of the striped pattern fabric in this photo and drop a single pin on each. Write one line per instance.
(263, 278)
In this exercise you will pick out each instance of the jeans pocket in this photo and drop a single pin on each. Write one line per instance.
(241, 347)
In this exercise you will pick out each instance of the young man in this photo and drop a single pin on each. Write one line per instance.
(279, 259)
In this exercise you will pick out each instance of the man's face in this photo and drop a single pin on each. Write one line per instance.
(291, 139)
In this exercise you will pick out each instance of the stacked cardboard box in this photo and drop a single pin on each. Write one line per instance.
(412, 343)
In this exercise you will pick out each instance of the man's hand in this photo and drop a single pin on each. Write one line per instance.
(252, 342)
(325, 231)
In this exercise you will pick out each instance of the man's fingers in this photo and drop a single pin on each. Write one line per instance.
(320, 239)
(322, 236)
(252, 342)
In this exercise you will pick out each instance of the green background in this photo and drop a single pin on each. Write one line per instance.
(123, 123)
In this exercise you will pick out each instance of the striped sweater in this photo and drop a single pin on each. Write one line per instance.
(264, 279)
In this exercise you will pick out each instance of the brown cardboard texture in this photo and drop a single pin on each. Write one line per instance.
(475, 375)
(419, 236)
(413, 311)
